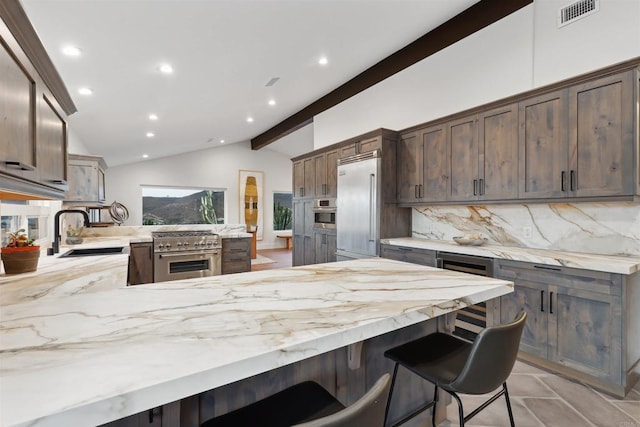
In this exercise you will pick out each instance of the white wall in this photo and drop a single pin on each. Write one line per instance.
(213, 168)
(516, 54)
(76, 144)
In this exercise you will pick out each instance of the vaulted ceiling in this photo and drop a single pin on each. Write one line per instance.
(224, 54)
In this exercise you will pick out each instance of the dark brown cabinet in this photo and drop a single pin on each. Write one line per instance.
(33, 128)
(236, 255)
(578, 141)
(325, 246)
(363, 146)
(410, 167)
(304, 178)
(303, 240)
(601, 138)
(325, 166)
(484, 155)
(413, 255)
(576, 319)
(140, 263)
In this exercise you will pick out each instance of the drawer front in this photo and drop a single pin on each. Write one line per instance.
(236, 245)
(412, 255)
(239, 266)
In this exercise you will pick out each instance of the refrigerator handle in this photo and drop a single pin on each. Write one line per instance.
(372, 207)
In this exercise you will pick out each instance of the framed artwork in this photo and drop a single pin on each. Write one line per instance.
(251, 198)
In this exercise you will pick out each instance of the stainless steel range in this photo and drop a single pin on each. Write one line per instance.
(186, 254)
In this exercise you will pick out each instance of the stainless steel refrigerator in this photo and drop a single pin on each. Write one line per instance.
(358, 206)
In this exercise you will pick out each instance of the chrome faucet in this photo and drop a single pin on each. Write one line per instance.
(55, 245)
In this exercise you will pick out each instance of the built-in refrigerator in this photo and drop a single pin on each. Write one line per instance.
(358, 206)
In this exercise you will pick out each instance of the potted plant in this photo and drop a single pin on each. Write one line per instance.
(20, 255)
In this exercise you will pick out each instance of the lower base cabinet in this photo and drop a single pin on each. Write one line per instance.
(236, 255)
(413, 255)
(140, 263)
(325, 246)
(577, 319)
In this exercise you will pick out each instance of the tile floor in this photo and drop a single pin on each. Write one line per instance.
(540, 398)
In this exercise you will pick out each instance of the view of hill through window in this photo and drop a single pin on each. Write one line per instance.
(182, 206)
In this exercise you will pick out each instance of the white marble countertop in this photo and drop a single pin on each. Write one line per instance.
(606, 263)
(86, 358)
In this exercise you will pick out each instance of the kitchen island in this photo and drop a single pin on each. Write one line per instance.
(90, 358)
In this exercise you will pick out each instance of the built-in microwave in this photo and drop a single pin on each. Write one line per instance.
(324, 213)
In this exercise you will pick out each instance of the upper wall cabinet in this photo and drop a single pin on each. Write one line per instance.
(304, 178)
(33, 128)
(326, 174)
(86, 180)
(484, 155)
(360, 147)
(578, 141)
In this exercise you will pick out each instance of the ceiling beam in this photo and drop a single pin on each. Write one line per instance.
(472, 19)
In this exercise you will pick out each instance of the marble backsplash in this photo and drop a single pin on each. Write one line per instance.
(141, 230)
(600, 228)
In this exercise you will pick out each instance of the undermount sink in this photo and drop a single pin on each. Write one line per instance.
(93, 251)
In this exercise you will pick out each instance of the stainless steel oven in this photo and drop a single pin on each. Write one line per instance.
(186, 255)
(324, 213)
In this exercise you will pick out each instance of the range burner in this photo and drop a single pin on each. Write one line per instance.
(197, 233)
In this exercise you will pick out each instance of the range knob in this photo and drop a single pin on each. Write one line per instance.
(209, 243)
(185, 244)
(160, 245)
(179, 244)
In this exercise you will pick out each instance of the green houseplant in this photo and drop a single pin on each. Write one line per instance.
(20, 255)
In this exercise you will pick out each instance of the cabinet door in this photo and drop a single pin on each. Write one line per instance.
(52, 145)
(309, 250)
(332, 247)
(83, 181)
(298, 179)
(298, 250)
(409, 167)
(309, 178)
(369, 145)
(348, 150)
(17, 110)
(543, 141)
(463, 140)
(498, 156)
(298, 217)
(332, 173)
(585, 331)
(320, 247)
(435, 164)
(140, 263)
(601, 143)
(320, 170)
(533, 298)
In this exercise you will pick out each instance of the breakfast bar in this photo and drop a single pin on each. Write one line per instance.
(89, 358)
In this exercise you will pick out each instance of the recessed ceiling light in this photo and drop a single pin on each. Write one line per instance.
(249, 119)
(145, 156)
(153, 117)
(85, 91)
(222, 141)
(272, 102)
(71, 51)
(323, 60)
(166, 69)
(150, 135)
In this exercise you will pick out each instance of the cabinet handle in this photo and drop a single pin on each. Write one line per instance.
(58, 181)
(550, 302)
(542, 301)
(475, 187)
(563, 180)
(415, 191)
(152, 413)
(572, 180)
(301, 191)
(420, 192)
(19, 165)
(481, 186)
(546, 267)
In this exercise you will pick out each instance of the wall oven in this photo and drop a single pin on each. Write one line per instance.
(186, 255)
(324, 213)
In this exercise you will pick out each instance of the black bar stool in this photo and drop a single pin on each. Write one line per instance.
(308, 404)
(458, 366)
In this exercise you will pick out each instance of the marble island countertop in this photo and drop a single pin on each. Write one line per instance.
(606, 263)
(86, 358)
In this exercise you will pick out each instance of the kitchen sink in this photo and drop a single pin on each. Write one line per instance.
(93, 251)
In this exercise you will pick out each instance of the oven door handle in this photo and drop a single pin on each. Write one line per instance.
(183, 254)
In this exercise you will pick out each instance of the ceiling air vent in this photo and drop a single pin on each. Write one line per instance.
(272, 82)
(577, 10)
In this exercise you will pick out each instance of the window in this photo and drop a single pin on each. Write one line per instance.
(282, 212)
(32, 216)
(173, 205)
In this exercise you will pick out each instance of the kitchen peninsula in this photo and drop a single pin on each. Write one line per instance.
(88, 358)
